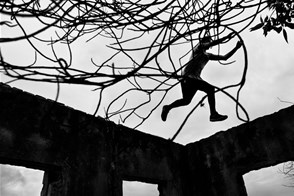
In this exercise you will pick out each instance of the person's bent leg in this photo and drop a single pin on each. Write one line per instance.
(180, 102)
(188, 91)
(210, 91)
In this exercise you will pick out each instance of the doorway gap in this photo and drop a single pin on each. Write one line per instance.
(270, 181)
(136, 188)
(20, 181)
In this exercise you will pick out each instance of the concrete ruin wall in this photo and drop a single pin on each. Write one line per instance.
(84, 155)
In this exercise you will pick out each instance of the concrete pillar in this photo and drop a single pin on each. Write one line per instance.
(80, 181)
(170, 188)
(230, 184)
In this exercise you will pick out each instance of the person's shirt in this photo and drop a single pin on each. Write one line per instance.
(197, 62)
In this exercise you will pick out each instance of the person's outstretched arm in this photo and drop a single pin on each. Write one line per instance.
(226, 56)
(218, 41)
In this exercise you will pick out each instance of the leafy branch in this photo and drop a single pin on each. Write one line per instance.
(280, 18)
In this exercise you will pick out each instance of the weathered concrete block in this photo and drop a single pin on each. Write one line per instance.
(86, 155)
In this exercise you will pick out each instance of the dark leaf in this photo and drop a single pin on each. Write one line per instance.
(274, 21)
(290, 25)
(277, 29)
(266, 29)
(258, 26)
(285, 35)
(265, 32)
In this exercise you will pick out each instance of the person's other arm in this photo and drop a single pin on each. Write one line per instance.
(226, 56)
(219, 41)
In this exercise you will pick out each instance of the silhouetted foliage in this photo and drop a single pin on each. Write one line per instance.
(279, 19)
(141, 32)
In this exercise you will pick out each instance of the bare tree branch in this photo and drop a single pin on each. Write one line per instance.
(154, 29)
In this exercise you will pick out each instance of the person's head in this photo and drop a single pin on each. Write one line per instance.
(206, 39)
(205, 42)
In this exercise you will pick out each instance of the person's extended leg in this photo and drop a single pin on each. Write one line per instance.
(209, 90)
(188, 91)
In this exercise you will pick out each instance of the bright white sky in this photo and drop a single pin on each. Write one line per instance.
(270, 76)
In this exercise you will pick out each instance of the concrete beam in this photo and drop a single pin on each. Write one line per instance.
(224, 157)
(86, 155)
(83, 154)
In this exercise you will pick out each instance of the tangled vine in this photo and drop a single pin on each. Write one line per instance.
(142, 32)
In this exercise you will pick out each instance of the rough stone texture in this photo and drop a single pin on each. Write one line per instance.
(226, 156)
(83, 155)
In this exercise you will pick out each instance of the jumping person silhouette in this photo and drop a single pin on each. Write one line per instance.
(192, 82)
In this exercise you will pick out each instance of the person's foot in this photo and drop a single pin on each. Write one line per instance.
(164, 113)
(217, 117)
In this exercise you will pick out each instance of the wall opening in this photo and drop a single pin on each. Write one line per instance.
(135, 188)
(20, 181)
(270, 181)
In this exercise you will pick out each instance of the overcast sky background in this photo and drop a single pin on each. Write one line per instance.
(269, 77)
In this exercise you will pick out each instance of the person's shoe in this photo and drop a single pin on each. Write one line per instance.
(164, 113)
(217, 117)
